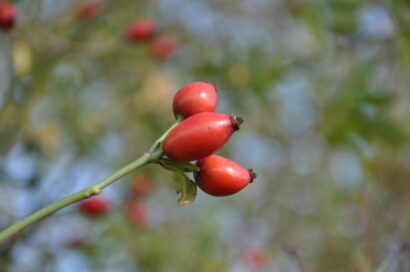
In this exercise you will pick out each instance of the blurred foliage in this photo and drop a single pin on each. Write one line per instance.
(322, 86)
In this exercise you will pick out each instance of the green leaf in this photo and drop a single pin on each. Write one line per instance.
(185, 187)
(178, 166)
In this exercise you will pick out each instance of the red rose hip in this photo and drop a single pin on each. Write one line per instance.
(142, 186)
(94, 206)
(194, 98)
(256, 258)
(219, 176)
(89, 10)
(7, 16)
(141, 30)
(200, 135)
(163, 46)
(137, 213)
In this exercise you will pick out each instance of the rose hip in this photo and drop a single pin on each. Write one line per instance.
(219, 176)
(163, 46)
(200, 135)
(142, 186)
(141, 30)
(137, 213)
(255, 258)
(7, 16)
(94, 206)
(194, 98)
(89, 10)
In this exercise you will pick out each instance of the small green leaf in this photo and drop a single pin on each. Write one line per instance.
(185, 187)
(178, 166)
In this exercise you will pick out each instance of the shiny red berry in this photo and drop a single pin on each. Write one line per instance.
(219, 176)
(194, 98)
(94, 206)
(200, 135)
(137, 213)
(141, 30)
(7, 16)
(89, 10)
(163, 46)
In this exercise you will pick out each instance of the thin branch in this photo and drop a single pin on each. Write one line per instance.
(153, 156)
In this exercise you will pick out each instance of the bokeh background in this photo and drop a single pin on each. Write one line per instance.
(323, 87)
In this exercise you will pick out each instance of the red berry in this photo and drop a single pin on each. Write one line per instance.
(200, 135)
(7, 16)
(163, 46)
(194, 98)
(219, 176)
(142, 186)
(89, 10)
(255, 258)
(141, 30)
(137, 213)
(94, 206)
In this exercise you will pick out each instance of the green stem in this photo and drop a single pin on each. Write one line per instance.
(156, 148)
(152, 156)
(96, 189)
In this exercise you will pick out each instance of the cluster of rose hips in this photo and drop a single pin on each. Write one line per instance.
(140, 31)
(144, 30)
(202, 133)
(7, 16)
